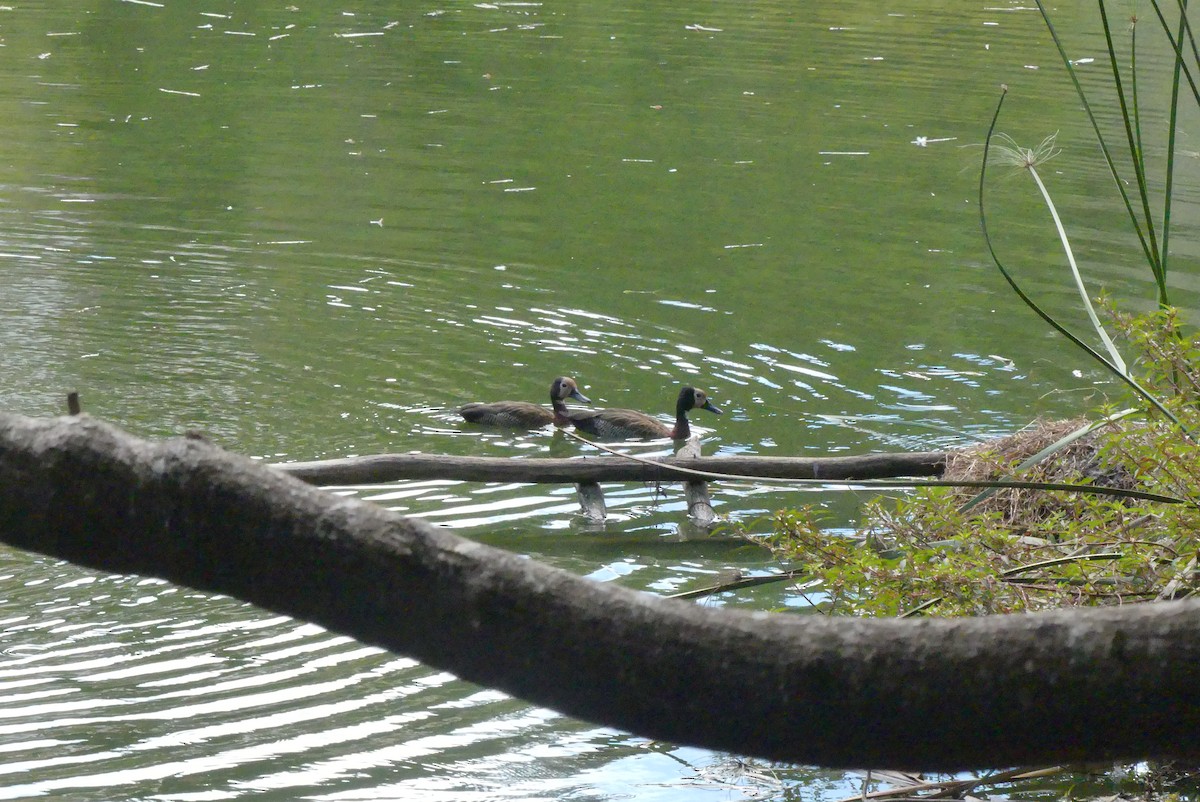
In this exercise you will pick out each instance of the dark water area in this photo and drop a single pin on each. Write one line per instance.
(314, 231)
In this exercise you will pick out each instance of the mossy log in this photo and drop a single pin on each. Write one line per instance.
(1078, 685)
(608, 468)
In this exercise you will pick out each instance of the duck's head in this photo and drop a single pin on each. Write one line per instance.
(564, 387)
(691, 398)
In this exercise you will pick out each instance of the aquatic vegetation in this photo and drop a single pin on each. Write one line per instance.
(954, 551)
(943, 551)
(1008, 152)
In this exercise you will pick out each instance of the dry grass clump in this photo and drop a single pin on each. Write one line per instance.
(1080, 462)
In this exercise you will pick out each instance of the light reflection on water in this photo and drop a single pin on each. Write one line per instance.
(315, 235)
(165, 689)
(111, 686)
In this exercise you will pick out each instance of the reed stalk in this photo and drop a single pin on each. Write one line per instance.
(1120, 372)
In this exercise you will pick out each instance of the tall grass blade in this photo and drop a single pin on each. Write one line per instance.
(1113, 353)
(1177, 44)
(1150, 253)
(1185, 26)
(1087, 490)
(1133, 141)
(1012, 282)
(1172, 125)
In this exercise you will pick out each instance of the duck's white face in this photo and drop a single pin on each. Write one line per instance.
(564, 387)
(701, 402)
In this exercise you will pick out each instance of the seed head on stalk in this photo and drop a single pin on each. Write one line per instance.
(1005, 150)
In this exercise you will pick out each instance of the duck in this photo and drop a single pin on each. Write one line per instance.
(526, 415)
(622, 424)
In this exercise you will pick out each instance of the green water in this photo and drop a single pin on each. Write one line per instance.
(313, 231)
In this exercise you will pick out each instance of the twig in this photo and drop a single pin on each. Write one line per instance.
(922, 606)
(1060, 561)
(951, 787)
(737, 584)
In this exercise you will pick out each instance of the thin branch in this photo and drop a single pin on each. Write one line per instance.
(1020, 569)
(955, 787)
(851, 484)
(737, 584)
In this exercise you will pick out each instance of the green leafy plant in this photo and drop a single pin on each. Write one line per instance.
(957, 551)
(939, 550)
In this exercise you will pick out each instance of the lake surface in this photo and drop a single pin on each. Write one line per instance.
(313, 232)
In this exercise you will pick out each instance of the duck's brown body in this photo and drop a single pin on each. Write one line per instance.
(526, 415)
(623, 424)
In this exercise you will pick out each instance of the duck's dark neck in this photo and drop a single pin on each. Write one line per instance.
(560, 411)
(682, 430)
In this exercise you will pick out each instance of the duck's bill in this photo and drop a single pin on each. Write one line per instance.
(578, 396)
(711, 407)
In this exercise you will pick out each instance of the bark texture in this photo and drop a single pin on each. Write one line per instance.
(1118, 683)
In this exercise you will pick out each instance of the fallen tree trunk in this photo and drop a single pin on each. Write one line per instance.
(394, 467)
(1116, 683)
